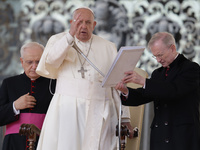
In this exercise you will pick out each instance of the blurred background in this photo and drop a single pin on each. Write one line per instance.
(124, 22)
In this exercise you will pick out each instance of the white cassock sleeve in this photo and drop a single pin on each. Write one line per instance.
(48, 66)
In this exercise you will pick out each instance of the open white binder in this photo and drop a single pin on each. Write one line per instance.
(125, 60)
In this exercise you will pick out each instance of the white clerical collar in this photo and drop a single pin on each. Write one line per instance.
(176, 56)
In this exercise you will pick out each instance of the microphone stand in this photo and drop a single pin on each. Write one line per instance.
(120, 113)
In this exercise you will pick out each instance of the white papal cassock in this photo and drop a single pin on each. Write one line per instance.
(82, 115)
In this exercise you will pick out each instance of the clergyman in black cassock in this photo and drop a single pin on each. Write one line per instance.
(33, 87)
(175, 90)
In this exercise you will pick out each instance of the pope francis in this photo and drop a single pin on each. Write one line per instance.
(82, 114)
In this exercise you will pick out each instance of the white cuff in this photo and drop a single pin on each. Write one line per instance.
(144, 85)
(17, 112)
(126, 95)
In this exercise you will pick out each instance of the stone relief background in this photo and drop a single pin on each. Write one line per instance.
(124, 22)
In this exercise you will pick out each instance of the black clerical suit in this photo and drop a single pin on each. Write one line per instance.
(176, 100)
(14, 87)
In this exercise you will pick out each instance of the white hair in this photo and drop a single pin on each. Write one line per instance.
(28, 45)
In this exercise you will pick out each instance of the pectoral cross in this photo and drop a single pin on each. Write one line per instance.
(82, 71)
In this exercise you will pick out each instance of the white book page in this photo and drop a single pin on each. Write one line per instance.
(125, 60)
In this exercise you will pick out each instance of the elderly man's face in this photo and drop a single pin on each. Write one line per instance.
(162, 53)
(30, 60)
(86, 24)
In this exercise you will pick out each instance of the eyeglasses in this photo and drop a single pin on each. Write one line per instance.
(158, 56)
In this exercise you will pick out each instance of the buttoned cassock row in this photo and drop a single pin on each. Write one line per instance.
(12, 88)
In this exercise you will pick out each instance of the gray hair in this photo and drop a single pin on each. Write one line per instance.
(28, 45)
(166, 38)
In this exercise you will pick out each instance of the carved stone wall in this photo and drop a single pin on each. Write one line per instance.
(125, 22)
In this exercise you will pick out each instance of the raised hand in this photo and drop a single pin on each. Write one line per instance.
(74, 24)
